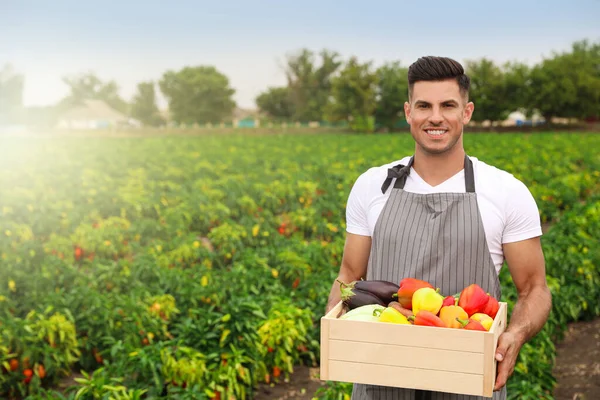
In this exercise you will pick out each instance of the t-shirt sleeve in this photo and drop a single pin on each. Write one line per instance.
(523, 216)
(356, 210)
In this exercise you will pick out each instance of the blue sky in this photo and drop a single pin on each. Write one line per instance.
(132, 40)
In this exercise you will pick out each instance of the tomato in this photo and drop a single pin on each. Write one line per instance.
(28, 375)
(276, 372)
(78, 253)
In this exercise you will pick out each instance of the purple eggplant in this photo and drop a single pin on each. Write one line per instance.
(386, 291)
(353, 297)
(359, 298)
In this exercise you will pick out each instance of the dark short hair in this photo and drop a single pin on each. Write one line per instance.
(432, 68)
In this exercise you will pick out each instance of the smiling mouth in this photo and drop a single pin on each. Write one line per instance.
(436, 132)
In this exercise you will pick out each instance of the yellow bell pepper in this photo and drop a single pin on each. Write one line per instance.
(391, 315)
(427, 299)
(484, 319)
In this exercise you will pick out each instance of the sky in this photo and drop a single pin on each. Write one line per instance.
(130, 41)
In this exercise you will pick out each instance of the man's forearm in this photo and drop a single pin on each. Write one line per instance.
(334, 296)
(530, 313)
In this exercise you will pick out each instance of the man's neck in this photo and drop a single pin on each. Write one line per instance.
(437, 168)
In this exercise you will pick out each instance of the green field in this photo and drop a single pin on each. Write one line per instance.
(200, 266)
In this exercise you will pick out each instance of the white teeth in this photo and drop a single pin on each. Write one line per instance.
(436, 132)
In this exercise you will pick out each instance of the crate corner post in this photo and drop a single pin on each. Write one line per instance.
(324, 364)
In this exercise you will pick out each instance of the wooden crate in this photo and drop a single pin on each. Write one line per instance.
(407, 356)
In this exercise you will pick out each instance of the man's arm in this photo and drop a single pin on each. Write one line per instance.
(354, 265)
(526, 263)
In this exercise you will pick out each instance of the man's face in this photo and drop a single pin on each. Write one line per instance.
(436, 113)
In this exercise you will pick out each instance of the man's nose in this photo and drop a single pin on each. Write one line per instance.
(436, 116)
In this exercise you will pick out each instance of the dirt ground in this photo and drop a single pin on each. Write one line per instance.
(578, 363)
(303, 384)
(577, 370)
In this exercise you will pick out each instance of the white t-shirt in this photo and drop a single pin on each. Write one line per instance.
(508, 210)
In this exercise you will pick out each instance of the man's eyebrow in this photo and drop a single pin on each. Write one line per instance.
(443, 102)
(450, 101)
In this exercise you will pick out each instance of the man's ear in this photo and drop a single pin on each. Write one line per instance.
(468, 112)
(407, 111)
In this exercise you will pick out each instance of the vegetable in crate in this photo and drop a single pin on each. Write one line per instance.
(363, 313)
(426, 318)
(385, 290)
(471, 324)
(392, 315)
(427, 299)
(408, 286)
(353, 297)
(449, 301)
(486, 320)
(492, 307)
(449, 315)
(404, 311)
(473, 299)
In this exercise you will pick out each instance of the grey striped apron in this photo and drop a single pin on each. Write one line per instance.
(436, 237)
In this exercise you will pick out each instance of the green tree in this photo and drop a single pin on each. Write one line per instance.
(11, 95)
(517, 86)
(309, 84)
(88, 86)
(487, 90)
(198, 95)
(392, 92)
(276, 102)
(144, 106)
(353, 95)
(568, 84)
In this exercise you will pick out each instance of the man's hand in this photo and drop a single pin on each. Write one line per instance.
(506, 354)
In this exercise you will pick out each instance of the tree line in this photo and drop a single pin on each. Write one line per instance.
(323, 87)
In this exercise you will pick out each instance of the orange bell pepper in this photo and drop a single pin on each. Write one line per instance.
(449, 315)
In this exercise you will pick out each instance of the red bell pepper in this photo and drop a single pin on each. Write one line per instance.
(473, 299)
(492, 307)
(449, 301)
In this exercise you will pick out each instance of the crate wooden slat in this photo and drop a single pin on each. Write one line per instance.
(416, 336)
(416, 357)
(412, 378)
(405, 356)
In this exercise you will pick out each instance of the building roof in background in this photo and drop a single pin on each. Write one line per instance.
(93, 109)
(242, 113)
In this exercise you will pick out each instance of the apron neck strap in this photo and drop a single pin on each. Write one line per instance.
(469, 175)
(400, 172)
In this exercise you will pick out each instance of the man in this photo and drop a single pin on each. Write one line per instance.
(446, 218)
